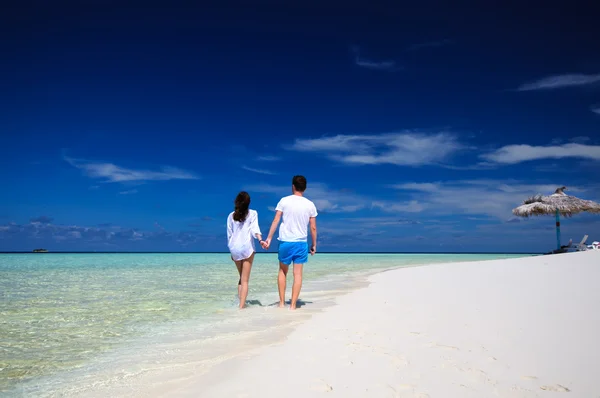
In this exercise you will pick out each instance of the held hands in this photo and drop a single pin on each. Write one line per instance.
(265, 244)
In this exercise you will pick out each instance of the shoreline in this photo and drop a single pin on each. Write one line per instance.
(192, 352)
(273, 253)
(512, 328)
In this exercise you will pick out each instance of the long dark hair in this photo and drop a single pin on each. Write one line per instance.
(242, 202)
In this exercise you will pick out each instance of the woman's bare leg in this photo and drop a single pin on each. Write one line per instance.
(238, 264)
(244, 279)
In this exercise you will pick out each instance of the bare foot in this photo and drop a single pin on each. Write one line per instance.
(281, 305)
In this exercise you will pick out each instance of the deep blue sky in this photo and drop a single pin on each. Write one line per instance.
(132, 126)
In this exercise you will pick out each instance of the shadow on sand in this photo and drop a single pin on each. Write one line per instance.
(299, 304)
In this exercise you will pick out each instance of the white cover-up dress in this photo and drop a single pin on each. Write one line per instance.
(240, 235)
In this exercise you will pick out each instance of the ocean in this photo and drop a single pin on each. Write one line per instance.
(77, 324)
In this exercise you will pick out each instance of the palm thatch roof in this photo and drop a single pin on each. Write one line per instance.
(566, 205)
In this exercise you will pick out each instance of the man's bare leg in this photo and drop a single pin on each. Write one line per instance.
(297, 285)
(281, 280)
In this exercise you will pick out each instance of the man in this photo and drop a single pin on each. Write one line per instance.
(297, 212)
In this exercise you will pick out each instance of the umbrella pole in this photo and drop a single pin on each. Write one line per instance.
(557, 229)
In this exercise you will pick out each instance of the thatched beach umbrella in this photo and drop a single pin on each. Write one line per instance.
(559, 203)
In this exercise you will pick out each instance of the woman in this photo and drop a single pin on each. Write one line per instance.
(242, 228)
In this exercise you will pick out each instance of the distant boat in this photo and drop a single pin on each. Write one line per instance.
(40, 251)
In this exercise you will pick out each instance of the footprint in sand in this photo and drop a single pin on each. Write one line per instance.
(358, 346)
(528, 377)
(462, 386)
(402, 387)
(446, 347)
(520, 389)
(479, 373)
(555, 388)
(322, 386)
(397, 360)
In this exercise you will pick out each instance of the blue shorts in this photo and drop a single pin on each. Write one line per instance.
(293, 252)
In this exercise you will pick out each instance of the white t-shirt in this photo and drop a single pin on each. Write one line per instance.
(240, 235)
(296, 212)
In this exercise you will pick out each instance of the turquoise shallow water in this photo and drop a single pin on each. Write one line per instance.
(59, 312)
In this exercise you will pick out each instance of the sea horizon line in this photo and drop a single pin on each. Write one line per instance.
(226, 252)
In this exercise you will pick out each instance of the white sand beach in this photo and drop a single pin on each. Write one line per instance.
(525, 327)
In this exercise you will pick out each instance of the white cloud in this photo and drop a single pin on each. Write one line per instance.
(278, 190)
(42, 220)
(74, 234)
(268, 158)
(560, 81)
(326, 199)
(113, 173)
(495, 198)
(402, 149)
(418, 186)
(372, 64)
(595, 109)
(260, 171)
(512, 154)
(579, 140)
(359, 229)
(376, 65)
(491, 198)
(104, 234)
(370, 222)
(128, 192)
(412, 206)
(332, 207)
(329, 200)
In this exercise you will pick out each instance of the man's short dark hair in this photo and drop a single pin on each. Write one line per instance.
(299, 182)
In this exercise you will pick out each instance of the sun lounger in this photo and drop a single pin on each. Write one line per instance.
(581, 246)
(563, 248)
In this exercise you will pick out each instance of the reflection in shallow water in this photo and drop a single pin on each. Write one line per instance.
(90, 312)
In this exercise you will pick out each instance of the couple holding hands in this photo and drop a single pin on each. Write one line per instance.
(295, 213)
